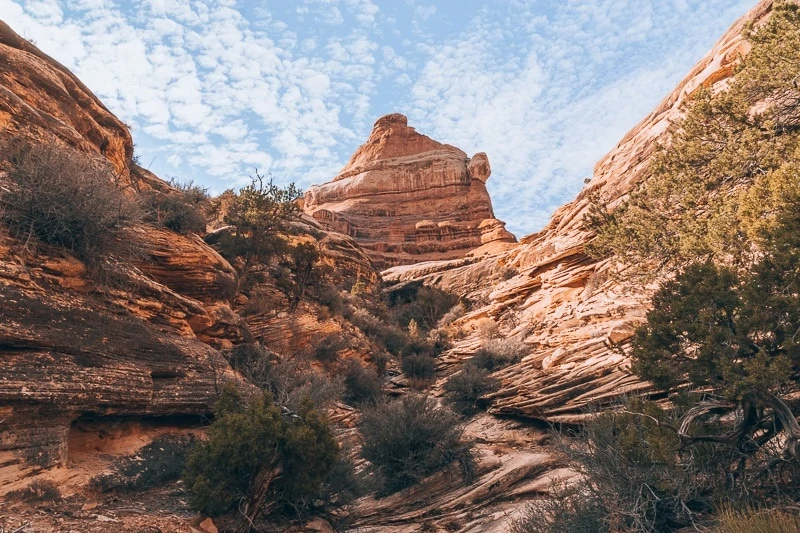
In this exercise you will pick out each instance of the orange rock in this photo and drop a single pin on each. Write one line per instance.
(406, 198)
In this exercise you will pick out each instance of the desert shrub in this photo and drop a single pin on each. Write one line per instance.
(36, 492)
(62, 197)
(456, 312)
(410, 438)
(566, 512)
(418, 366)
(362, 385)
(389, 336)
(496, 354)
(463, 390)
(331, 297)
(635, 475)
(757, 521)
(290, 380)
(426, 309)
(328, 348)
(180, 210)
(155, 464)
(248, 445)
(257, 214)
(299, 269)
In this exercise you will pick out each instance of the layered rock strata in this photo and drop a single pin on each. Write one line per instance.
(407, 198)
(73, 348)
(571, 311)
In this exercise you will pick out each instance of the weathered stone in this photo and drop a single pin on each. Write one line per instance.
(574, 316)
(406, 198)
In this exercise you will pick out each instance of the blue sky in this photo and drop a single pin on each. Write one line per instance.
(215, 88)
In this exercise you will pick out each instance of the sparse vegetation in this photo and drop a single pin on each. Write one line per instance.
(362, 385)
(180, 210)
(410, 438)
(328, 347)
(496, 354)
(39, 491)
(758, 521)
(464, 389)
(61, 197)
(418, 366)
(290, 380)
(157, 463)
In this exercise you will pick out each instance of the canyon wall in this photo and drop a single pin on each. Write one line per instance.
(571, 310)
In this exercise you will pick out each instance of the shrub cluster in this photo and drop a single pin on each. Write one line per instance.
(61, 197)
(362, 385)
(180, 210)
(464, 389)
(410, 438)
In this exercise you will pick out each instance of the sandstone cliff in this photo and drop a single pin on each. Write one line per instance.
(573, 315)
(407, 198)
(73, 349)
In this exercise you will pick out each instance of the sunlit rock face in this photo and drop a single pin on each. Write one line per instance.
(574, 316)
(407, 198)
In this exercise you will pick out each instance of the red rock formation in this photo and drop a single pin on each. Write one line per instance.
(69, 348)
(407, 198)
(41, 99)
(573, 315)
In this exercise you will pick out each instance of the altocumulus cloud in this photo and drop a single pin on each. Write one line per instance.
(215, 88)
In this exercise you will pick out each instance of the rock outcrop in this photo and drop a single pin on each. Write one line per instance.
(572, 313)
(407, 198)
(40, 99)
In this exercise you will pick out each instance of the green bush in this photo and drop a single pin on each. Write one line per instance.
(410, 438)
(155, 464)
(464, 389)
(362, 385)
(695, 201)
(61, 197)
(257, 214)
(248, 445)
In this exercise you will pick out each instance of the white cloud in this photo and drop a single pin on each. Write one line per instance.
(546, 88)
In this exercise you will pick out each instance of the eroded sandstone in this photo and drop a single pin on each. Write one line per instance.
(407, 198)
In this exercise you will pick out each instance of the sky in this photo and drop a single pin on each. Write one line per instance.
(214, 89)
